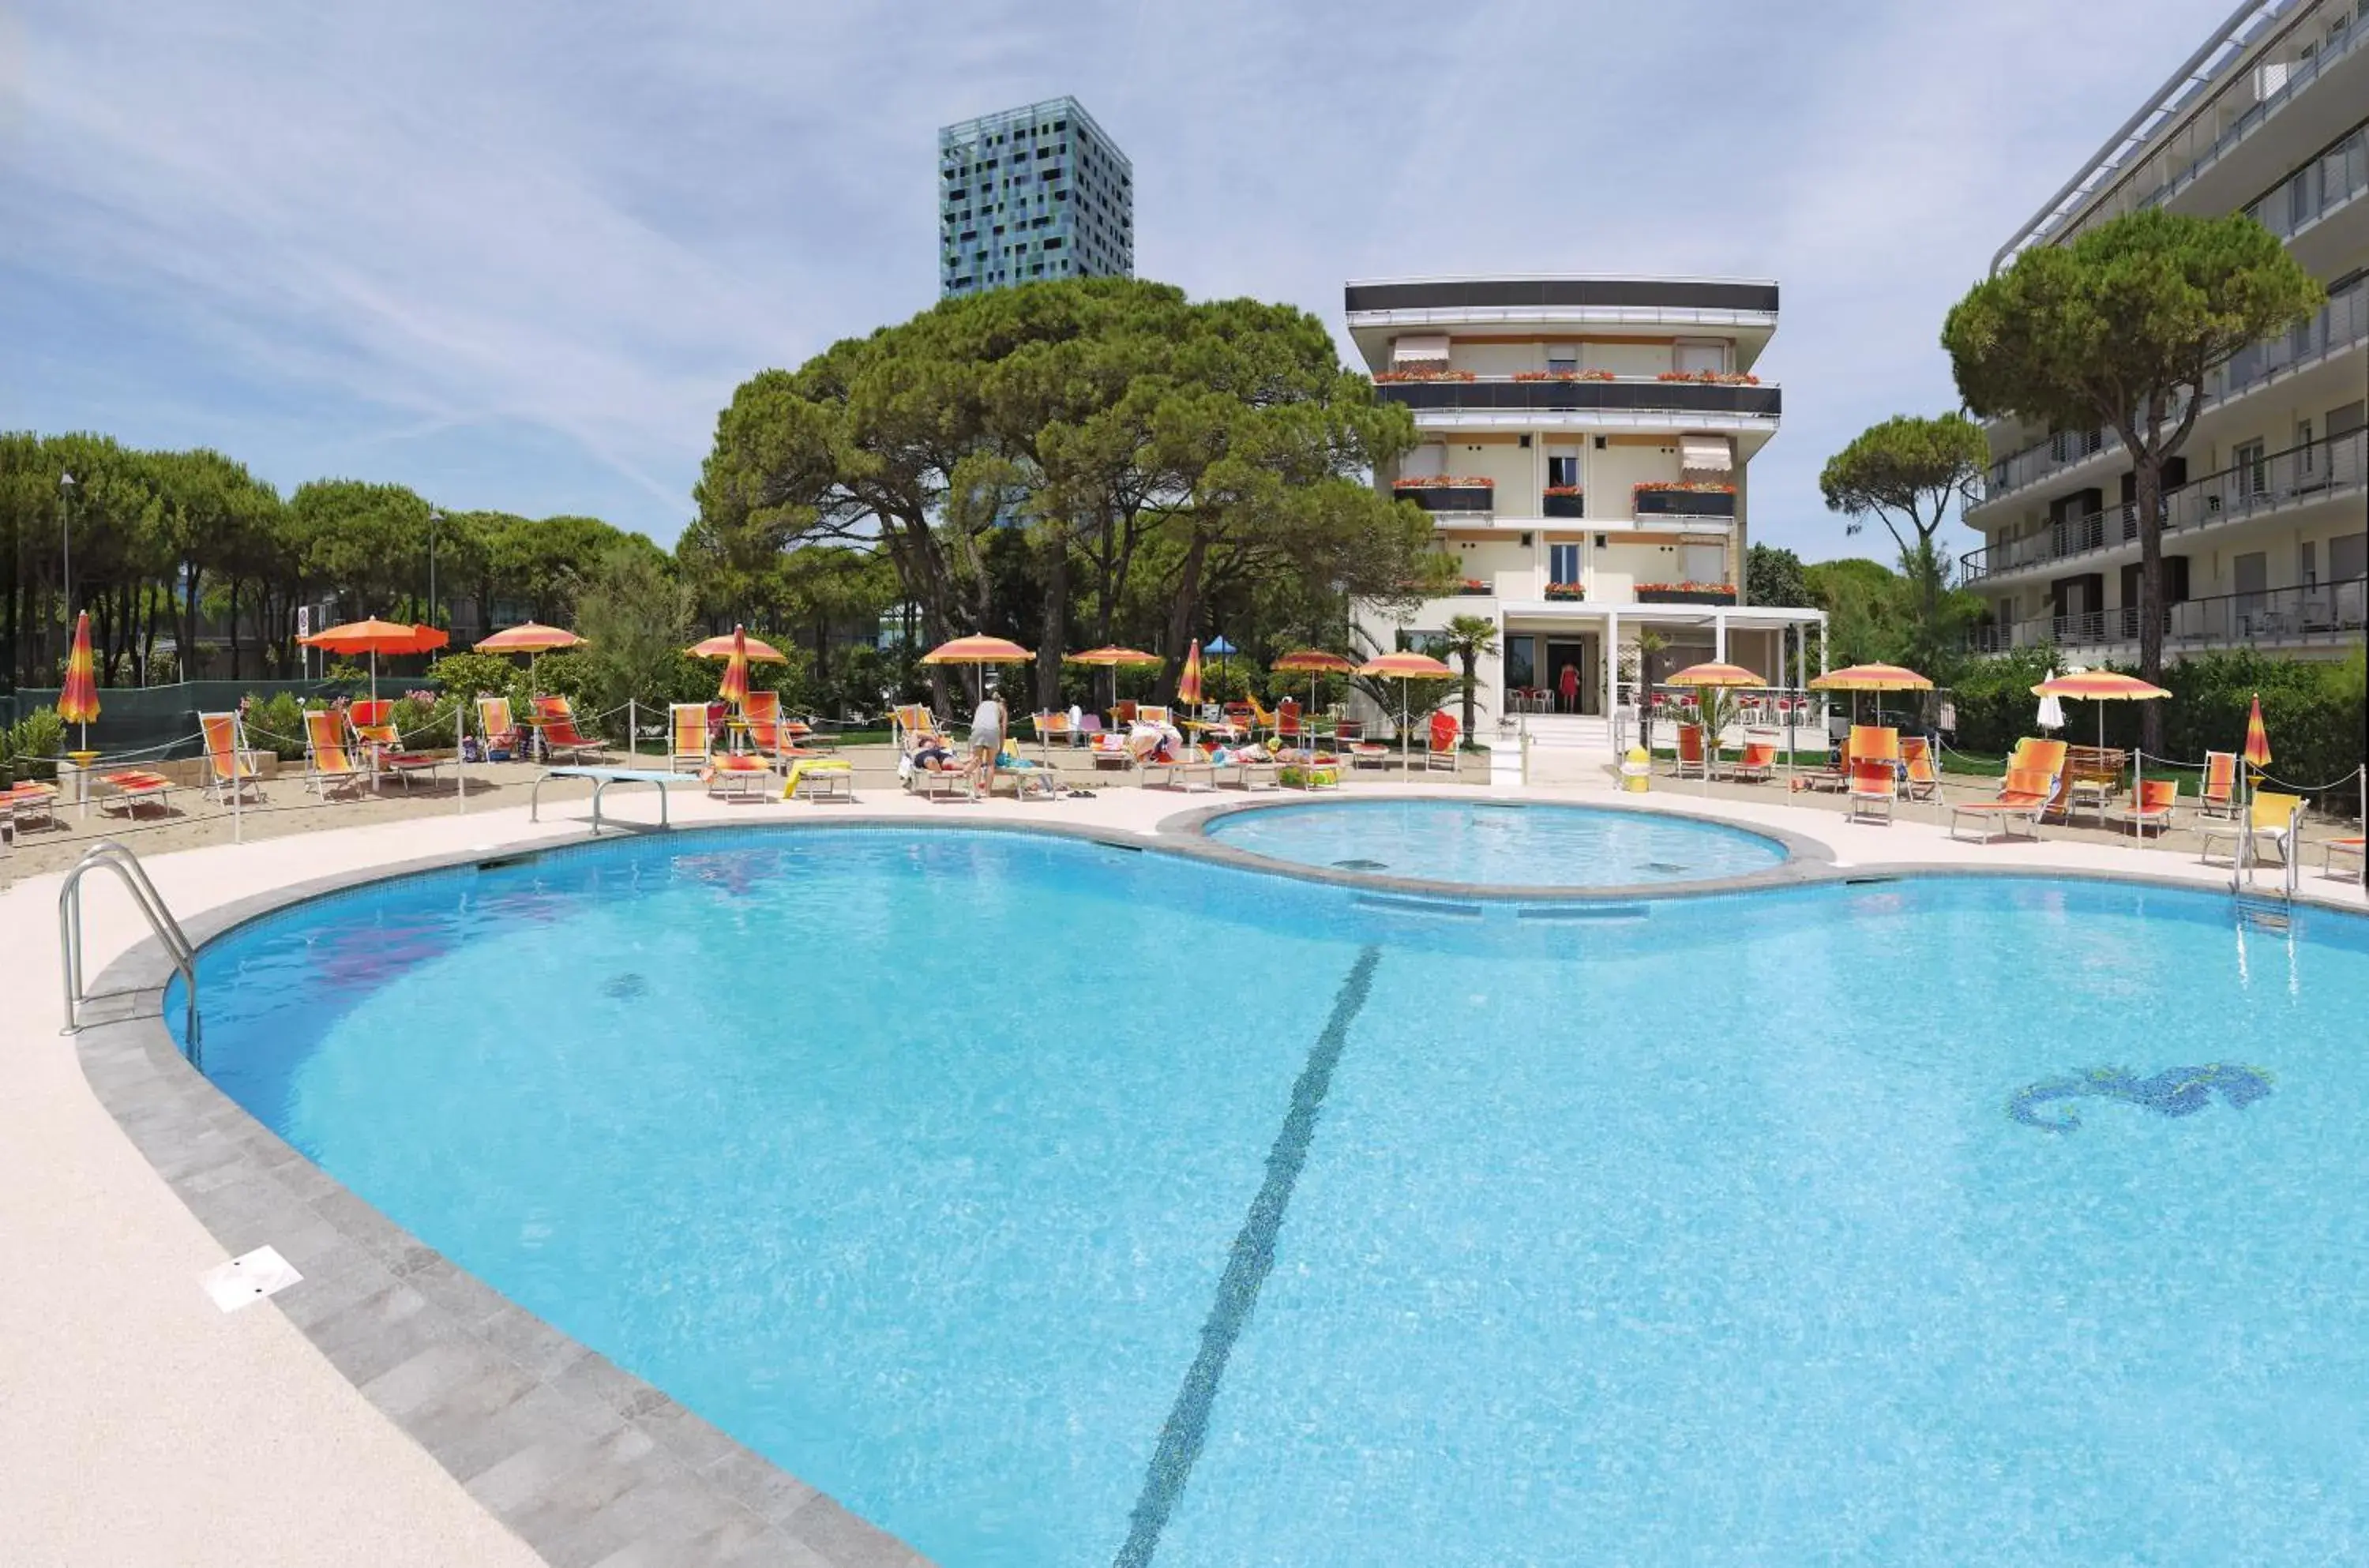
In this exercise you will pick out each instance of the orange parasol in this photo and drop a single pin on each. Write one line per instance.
(533, 639)
(758, 650)
(1406, 666)
(1111, 658)
(79, 704)
(2258, 739)
(1188, 681)
(735, 689)
(374, 638)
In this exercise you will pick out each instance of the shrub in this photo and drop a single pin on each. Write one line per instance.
(276, 723)
(424, 720)
(33, 744)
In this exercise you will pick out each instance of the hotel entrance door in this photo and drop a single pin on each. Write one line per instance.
(1582, 690)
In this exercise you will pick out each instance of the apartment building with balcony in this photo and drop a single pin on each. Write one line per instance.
(2266, 509)
(1582, 450)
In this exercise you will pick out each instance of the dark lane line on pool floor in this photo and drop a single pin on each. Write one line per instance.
(1246, 1271)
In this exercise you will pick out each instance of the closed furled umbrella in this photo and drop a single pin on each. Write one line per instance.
(1188, 683)
(2051, 711)
(79, 704)
(735, 687)
(1406, 666)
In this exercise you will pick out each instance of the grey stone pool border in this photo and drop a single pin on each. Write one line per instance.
(588, 1464)
(1806, 859)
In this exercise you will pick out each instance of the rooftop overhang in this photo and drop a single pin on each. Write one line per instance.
(1743, 310)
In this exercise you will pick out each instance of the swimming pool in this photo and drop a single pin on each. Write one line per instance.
(1051, 1204)
(1501, 844)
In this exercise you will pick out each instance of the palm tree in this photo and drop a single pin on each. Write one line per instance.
(1467, 639)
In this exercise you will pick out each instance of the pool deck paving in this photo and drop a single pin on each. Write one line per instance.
(387, 1409)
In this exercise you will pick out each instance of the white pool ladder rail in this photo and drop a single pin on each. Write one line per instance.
(126, 866)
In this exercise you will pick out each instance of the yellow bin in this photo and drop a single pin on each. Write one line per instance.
(1636, 771)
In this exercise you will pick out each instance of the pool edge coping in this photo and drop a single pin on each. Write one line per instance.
(575, 1456)
(1807, 860)
(395, 1294)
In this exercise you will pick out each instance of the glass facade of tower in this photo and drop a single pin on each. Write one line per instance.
(1032, 193)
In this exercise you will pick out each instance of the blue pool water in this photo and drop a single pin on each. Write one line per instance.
(1506, 846)
(1053, 1205)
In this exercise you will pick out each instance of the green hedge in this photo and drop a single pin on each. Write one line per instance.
(2313, 711)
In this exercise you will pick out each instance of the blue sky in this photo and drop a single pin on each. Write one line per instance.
(519, 256)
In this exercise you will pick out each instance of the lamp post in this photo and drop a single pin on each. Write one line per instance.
(65, 543)
(434, 517)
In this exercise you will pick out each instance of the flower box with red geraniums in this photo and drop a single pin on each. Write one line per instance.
(1562, 490)
(1566, 591)
(1686, 593)
(1689, 487)
(1711, 378)
(1473, 587)
(1562, 375)
(1443, 482)
(1386, 378)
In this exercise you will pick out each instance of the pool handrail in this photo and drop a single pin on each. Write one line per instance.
(126, 866)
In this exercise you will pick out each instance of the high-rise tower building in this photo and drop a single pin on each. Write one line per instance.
(1030, 193)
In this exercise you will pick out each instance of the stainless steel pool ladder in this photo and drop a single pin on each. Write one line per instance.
(126, 865)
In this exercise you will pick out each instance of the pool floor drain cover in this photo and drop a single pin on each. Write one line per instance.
(248, 1279)
(624, 988)
(1362, 865)
(1667, 868)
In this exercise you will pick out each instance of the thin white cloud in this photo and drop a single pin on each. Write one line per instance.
(592, 221)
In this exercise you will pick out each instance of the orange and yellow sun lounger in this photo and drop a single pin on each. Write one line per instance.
(2024, 796)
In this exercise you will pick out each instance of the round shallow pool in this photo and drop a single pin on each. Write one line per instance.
(1506, 845)
(1058, 1206)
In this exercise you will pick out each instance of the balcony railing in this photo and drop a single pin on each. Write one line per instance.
(1628, 393)
(1449, 497)
(1685, 503)
(2263, 484)
(2317, 188)
(2342, 324)
(2322, 612)
(1574, 505)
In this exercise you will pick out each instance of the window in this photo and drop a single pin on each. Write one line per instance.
(2303, 442)
(2307, 562)
(2252, 477)
(1562, 563)
(1562, 359)
(1562, 471)
(1692, 358)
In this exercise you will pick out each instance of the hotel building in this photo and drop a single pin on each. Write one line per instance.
(1032, 193)
(2264, 538)
(1583, 445)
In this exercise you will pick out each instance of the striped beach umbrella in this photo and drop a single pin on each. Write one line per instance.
(1188, 683)
(723, 646)
(978, 650)
(735, 687)
(1406, 666)
(79, 704)
(1313, 662)
(2258, 739)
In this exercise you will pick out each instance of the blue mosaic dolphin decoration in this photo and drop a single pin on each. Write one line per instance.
(2176, 1091)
